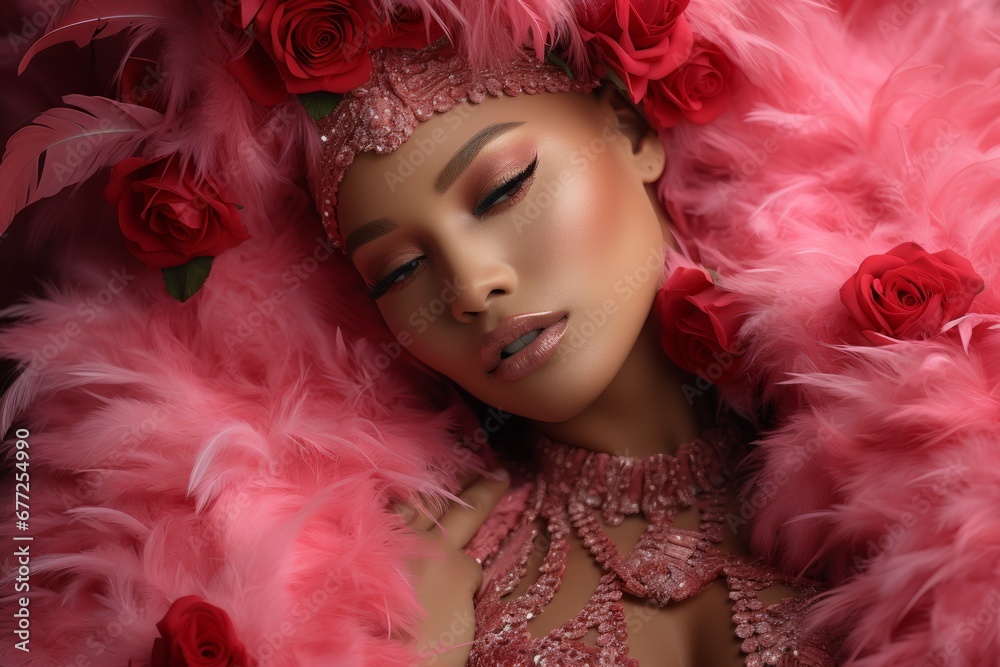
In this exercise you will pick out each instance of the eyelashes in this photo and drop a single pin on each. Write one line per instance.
(383, 285)
(507, 194)
(509, 189)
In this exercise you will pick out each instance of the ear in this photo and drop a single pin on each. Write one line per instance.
(647, 151)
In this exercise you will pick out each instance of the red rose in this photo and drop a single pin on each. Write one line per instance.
(167, 218)
(698, 90)
(239, 12)
(259, 76)
(909, 293)
(405, 29)
(195, 633)
(319, 44)
(641, 40)
(700, 323)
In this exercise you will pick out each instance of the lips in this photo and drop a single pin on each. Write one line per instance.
(510, 330)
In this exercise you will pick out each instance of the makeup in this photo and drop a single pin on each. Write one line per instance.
(531, 351)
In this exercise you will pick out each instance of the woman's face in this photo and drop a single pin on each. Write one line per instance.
(533, 204)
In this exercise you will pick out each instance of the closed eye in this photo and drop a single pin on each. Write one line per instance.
(511, 191)
(397, 275)
(508, 190)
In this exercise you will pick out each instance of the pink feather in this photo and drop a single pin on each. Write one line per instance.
(66, 146)
(241, 446)
(85, 20)
(488, 31)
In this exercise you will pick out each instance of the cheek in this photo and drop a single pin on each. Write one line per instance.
(566, 228)
(416, 326)
(600, 228)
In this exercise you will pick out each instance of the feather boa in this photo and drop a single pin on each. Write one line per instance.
(243, 446)
(882, 475)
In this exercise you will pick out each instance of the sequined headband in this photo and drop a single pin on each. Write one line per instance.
(406, 87)
(384, 65)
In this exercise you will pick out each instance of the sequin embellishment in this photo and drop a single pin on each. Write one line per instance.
(406, 87)
(576, 490)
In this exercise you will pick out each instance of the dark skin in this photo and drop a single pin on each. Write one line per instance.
(582, 231)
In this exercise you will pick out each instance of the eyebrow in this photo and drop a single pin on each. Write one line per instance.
(458, 163)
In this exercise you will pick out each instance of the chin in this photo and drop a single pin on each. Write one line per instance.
(562, 389)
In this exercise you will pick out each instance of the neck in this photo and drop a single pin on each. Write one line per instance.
(642, 412)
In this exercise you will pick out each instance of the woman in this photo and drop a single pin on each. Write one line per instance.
(534, 230)
(239, 449)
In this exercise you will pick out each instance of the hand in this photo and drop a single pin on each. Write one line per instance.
(447, 581)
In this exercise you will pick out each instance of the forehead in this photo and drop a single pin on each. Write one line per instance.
(371, 177)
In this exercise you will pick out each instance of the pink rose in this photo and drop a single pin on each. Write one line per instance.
(698, 90)
(700, 324)
(319, 44)
(909, 293)
(640, 40)
(195, 633)
(167, 217)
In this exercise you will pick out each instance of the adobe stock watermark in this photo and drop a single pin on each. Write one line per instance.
(792, 464)
(87, 483)
(33, 26)
(723, 361)
(153, 76)
(431, 650)
(415, 152)
(360, 34)
(294, 277)
(920, 505)
(918, 164)
(546, 194)
(88, 311)
(588, 324)
(78, 151)
(756, 157)
(463, 457)
(306, 607)
(898, 15)
(98, 642)
(922, 162)
(420, 320)
(974, 624)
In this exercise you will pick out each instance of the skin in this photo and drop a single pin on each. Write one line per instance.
(584, 233)
(589, 251)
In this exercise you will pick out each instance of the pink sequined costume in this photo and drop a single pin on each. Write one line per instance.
(210, 447)
(580, 490)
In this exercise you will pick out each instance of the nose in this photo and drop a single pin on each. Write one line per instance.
(480, 276)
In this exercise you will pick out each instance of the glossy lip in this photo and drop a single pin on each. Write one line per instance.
(509, 330)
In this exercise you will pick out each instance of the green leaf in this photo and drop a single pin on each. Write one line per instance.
(613, 77)
(184, 280)
(319, 104)
(556, 60)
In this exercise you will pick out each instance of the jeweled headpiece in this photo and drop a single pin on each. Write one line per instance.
(406, 87)
(366, 71)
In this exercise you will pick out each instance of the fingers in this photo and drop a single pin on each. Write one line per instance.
(467, 477)
(419, 516)
(459, 523)
(422, 515)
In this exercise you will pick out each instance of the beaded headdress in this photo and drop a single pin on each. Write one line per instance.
(638, 45)
(406, 87)
(366, 73)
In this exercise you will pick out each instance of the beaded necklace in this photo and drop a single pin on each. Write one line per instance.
(576, 486)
